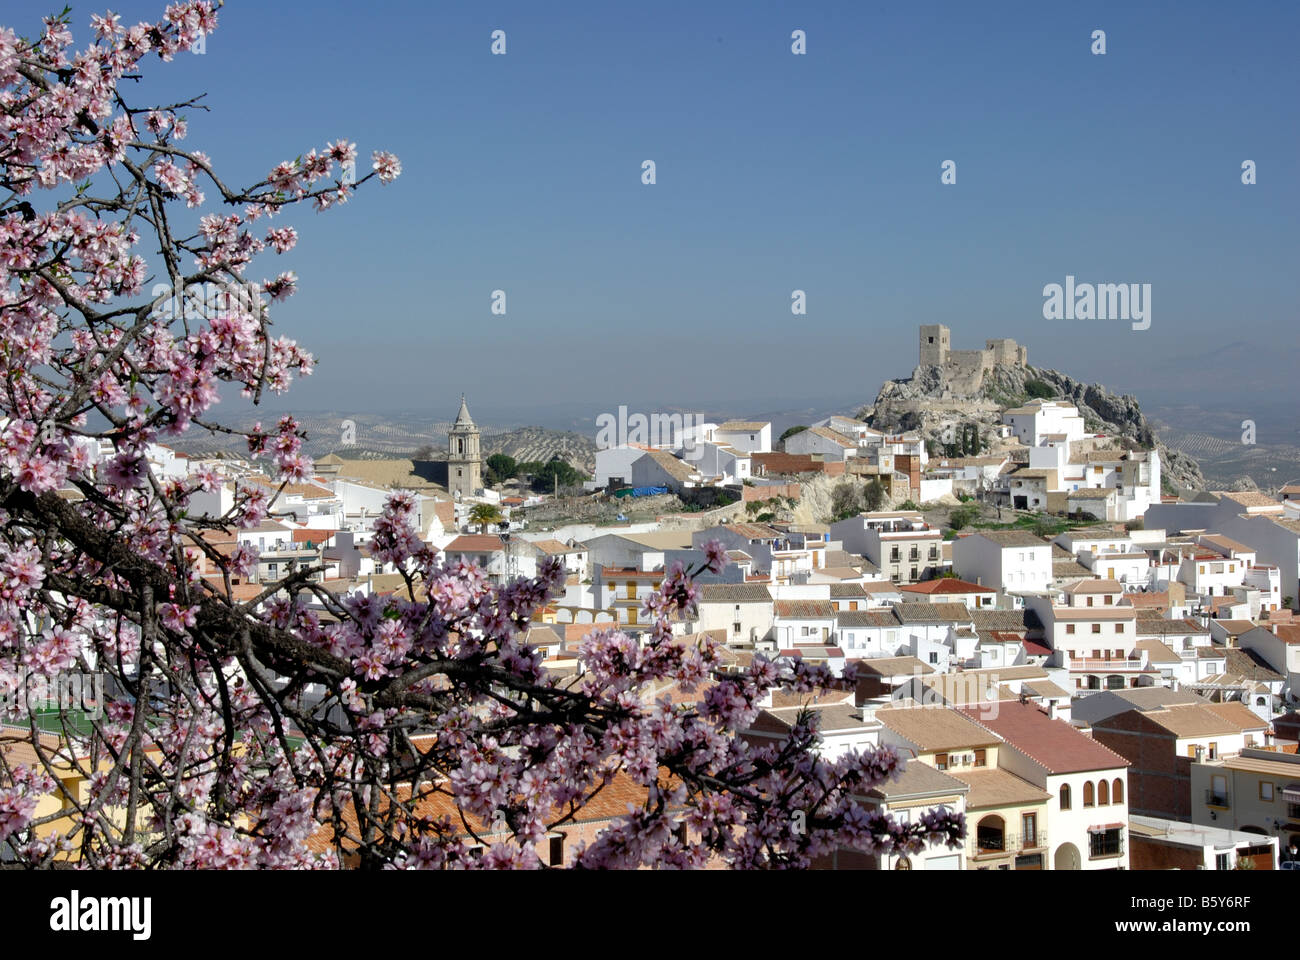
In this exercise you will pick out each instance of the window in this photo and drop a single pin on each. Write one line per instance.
(914, 573)
(1214, 750)
(1088, 797)
(934, 656)
(941, 760)
(1090, 601)
(557, 850)
(1266, 791)
(1103, 794)
(1106, 843)
(1065, 796)
(980, 758)
(1119, 628)
(1222, 861)
(735, 627)
(1096, 628)
(1117, 791)
(1029, 830)
(1069, 629)
(1218, 791)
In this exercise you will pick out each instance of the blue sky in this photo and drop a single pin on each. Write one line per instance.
(775, 172)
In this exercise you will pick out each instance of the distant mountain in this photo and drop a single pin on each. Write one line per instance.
(396, 435)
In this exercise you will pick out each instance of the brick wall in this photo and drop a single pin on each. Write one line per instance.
(1159, 781)
(790, 463)
(791, 490)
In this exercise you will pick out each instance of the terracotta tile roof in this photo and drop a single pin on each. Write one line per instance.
(805, 610)
(1066, 569)
(1157, 652)
(1248, 498)
(1193, 720)
(919, 780)
(1159, 601)
(847, 591)
(734, 593)
(866, 618)
(555, 547)
(998, 788)
(1288, 633)
(475, 543)
(1236, 712)
(933, 613)
(677, 469)
(934, 729)
(892, 667)
(826, 433)
(1249, 665)
(1045, 689)
(606, 802)
(317, 537)
(1053, 744)
(1036, 649)
(1017, 621)
(755, 531)
(1096, 586)
(946, 585)
(743, 426)
(1160, 627)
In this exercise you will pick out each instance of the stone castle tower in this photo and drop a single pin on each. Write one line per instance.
(464, 465)
(965, 369)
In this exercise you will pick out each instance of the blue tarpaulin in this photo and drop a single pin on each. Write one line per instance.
(640, 491)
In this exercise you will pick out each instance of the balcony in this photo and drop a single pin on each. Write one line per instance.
(1091, 665)
(1216, 799)
(988, 848)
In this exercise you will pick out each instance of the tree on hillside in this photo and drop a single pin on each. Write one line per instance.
(846, 501)
(791, 431)
(873, 495)
(302, 727)
(501, 467)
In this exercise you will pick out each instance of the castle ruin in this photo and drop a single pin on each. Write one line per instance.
(965, 369)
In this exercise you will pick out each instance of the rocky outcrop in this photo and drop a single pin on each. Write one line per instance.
(928, 403)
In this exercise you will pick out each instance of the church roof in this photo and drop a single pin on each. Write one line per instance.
(463, 419)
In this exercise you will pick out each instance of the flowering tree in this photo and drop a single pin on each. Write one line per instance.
(387, 730)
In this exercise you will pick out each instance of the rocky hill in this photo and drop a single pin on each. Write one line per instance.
(928, 403)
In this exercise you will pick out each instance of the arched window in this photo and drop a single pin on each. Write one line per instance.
(1103, 794)
(1117, 791)
(1065, 796)
(1087, 794)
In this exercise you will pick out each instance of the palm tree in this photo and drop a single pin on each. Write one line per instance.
(485, 514)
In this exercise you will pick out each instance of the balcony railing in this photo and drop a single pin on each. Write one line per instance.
(1008, 843)
(1109, 666)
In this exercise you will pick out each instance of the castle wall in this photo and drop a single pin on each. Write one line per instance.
(966, 368)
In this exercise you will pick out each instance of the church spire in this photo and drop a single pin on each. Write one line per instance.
(463, 418)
